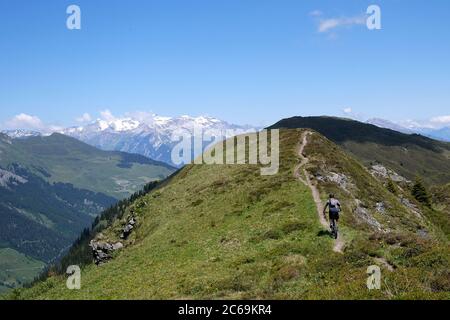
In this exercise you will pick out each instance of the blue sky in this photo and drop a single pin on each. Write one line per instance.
(244, 61)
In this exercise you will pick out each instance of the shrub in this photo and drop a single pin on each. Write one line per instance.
(420, 192)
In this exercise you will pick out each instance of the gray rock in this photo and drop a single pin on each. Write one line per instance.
(380, 207)
(381, 172)
(338, 178)
(365, 215)
(411, 206)
(126, 231)
(101, 251)
(117, 246)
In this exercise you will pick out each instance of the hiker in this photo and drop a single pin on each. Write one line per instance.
(334, 207)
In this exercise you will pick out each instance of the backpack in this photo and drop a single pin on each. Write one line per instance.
(333, 204)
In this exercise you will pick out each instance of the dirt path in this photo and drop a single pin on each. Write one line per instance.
(301, 174)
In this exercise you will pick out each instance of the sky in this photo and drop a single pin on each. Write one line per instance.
(243, 61)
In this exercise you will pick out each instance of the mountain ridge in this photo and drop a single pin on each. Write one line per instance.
(409, 155)
(226, 232)
(149, 135)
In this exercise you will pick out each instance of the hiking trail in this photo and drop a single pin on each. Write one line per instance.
(304, 178)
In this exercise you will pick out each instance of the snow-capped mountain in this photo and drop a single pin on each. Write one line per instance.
(149, 135)
(382, 123)
(20, 133)
(442, 134)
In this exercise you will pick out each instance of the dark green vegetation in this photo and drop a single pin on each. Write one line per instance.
(228, 232)
(51, 188)
(420, 193)
(408, 155)
(41, 219)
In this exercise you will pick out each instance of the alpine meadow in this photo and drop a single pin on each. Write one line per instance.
(207, 159)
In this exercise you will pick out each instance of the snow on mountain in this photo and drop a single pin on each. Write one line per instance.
(410, 127)
(147, 134)
(382, 123)
(19, 133)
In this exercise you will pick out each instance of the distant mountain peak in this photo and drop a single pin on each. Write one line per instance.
(21, 133)
(412, 127)
(387, 124)
(147, 134)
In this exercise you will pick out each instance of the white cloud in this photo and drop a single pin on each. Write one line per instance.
(315, 13)
(347, 110)
(25, 121)
(142, 116)
(432, 123)
(29, 122)
(441, 120)
(328, 25)
(86, 117)
(107, 115)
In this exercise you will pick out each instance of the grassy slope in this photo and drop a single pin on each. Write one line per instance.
(227, 232)
(37, 205)
(409, 155)
(16, 269)
(68, 160)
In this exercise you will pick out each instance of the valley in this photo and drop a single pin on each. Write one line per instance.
(226, 232)
(51, 188)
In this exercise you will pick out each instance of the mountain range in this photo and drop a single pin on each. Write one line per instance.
(410, 155)
(441, 133)
(150, 136)
(226, 232)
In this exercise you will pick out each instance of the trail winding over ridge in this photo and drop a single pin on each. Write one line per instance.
(304, 178)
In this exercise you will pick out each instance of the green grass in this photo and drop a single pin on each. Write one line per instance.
(43, 202)
(408, 155)
(17, 269)
(226, 232)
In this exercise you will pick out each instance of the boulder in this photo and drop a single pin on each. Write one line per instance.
(101, 251)
(128, 227)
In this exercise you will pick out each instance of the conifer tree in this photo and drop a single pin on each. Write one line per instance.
(420, 192)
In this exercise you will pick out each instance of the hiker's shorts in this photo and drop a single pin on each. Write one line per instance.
(334, 216)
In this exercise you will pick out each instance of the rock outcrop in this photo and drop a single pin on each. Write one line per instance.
(131, 222)
(102, 251)
(340, 179)
(364, 214)
(383, 173)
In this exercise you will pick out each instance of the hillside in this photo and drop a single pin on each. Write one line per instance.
(51, 188)
(408, 155)
(59, 158)
(215, 231)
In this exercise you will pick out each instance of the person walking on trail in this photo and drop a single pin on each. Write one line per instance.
(334, 207)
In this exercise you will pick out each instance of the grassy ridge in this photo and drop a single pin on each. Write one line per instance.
(409, 155)
(228, 232)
